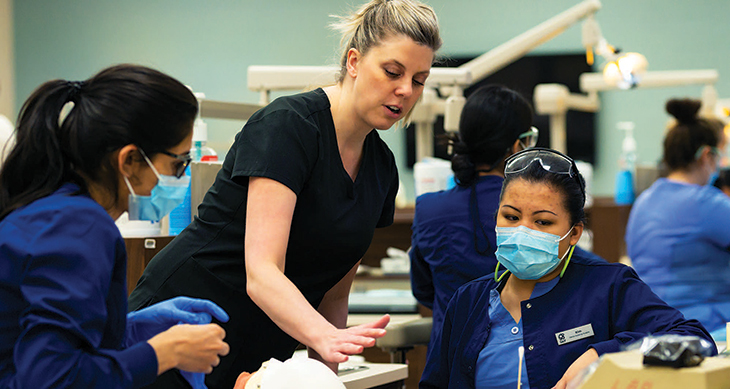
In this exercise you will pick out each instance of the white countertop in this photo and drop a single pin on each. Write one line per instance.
(370, 375)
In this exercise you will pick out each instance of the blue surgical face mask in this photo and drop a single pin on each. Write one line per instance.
(526, 253)
(169, 192)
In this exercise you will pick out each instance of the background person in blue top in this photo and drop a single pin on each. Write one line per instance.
(281, 232)
(453, 238)
(564, 308)
(678, 233)
(63, 310)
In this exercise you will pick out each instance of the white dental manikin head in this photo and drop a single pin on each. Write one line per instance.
(301, 373)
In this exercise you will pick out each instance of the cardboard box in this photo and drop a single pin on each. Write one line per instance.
(625, 370)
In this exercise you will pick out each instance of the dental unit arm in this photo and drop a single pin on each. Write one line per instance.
(555, 99)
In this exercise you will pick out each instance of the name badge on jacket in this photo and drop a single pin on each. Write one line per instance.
(574, 334)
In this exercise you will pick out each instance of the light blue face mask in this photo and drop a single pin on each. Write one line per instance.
(528, 254)
(166, 195)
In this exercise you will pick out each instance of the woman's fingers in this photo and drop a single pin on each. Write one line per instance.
(373, 333)
(203, 347)
(381, 323)
(191, 348)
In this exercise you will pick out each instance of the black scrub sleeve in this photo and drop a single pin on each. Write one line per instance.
(281, 146)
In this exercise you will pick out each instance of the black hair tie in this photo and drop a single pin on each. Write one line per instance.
(75, 88)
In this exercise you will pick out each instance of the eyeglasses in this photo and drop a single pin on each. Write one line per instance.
(550, 160)
(184, 158)
(528, 139)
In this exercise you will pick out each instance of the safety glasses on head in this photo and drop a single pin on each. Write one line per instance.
(528, 139)
(550, 160)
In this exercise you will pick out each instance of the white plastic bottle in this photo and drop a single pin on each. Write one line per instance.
(201, 152)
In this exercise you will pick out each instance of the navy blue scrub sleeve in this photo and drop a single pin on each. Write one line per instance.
(73, 283)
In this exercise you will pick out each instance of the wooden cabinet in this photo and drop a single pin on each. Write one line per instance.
(607, 220)
(139, 253)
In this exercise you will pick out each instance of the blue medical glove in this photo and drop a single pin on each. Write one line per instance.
(196, 380)
(148, 322)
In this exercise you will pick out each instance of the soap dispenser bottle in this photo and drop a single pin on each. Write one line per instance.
(624, 194)
(200, 151)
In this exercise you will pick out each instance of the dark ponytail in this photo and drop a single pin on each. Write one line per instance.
(121, 105)
(493, 118)
(688, 134)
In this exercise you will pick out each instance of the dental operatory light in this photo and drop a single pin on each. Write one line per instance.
(624, 70)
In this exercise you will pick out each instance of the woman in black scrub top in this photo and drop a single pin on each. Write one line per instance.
(281, 232)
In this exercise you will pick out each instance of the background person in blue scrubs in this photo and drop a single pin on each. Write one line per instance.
(678, 233)
(453, 239)
(63, 296)
(564, 308)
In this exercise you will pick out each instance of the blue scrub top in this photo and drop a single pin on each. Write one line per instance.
(498, 362)
(677, 237)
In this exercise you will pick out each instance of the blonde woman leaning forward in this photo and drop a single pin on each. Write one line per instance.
(281, 232)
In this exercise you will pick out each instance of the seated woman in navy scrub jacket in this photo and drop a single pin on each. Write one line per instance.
(453, 239)
(678, 233)
(63, 296)
(564, 308)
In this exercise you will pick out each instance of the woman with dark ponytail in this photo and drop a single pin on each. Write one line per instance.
(678, 235)
(85, 152)
(453, 238)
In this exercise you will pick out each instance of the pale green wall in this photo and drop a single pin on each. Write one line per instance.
(209, 45)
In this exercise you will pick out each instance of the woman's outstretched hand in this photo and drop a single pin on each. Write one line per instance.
(337, 345)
